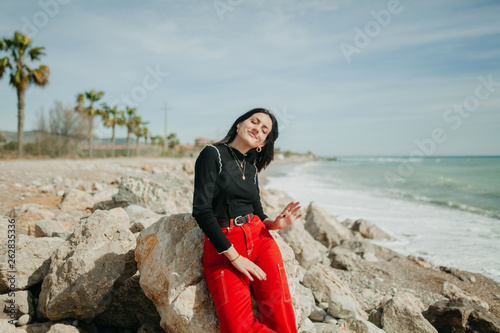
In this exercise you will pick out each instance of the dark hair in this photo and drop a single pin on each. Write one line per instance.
(265, 157)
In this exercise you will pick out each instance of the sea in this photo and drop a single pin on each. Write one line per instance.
(443, 209)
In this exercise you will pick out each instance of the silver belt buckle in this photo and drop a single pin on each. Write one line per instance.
(236, 220)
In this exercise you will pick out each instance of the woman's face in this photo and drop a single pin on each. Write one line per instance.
(255, 129)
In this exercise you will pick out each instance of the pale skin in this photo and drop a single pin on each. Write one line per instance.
(252, 133)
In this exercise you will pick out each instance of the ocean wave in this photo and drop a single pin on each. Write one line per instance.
(379, 159)
(450, 203)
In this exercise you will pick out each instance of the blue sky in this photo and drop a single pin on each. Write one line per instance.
(343, 77)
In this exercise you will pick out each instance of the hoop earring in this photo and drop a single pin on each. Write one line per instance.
(258, 149)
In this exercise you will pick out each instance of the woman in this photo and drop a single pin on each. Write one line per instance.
(239, 252)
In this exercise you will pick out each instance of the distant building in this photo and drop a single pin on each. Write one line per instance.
(201, 142)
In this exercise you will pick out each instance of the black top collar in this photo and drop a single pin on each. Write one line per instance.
(237, 151)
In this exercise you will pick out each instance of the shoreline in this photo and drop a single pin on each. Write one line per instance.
(410, 265)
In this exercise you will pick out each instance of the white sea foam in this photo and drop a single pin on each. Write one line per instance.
(442, 235)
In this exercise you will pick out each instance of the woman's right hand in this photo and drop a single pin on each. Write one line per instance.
(249, 268)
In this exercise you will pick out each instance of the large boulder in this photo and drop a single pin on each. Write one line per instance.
(325, 284)
(130, 308)
(26, 215)
(369, 230)
(324, 227)
(76, 199)
(451, 291)
(169, 256)
(461, 315)
(84, 269)
(32, 260)
(140, 217)
(6, 327)
(17, 305)
(403, 314)
(162, 193)
(274, 201)
(307, 251)
(46, 228)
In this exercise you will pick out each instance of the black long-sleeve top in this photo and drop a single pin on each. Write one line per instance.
(221, 193)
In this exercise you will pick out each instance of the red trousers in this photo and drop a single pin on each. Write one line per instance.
(230, 288)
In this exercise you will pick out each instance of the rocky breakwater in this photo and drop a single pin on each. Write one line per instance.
(126, 257)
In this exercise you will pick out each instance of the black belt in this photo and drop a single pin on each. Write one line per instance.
(239, 220)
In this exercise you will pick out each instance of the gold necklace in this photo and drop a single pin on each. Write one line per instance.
(241, 165)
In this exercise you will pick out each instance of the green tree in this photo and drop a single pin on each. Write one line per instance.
(130, 123)
(172, 140)
(89, 111)
(19, 48)
(112, 117)
(139, 131)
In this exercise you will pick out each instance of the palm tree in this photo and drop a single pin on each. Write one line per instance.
(111, 118)
(145, 132)
(161, 142)
(129, 122)
(139, 131)
(21, 75)
(90, 112)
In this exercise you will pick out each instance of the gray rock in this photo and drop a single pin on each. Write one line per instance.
(461, 315)
(99, 254)
(23, 305)
(130, 308)
(70, 219)
(462, 275)
(324, 227)
(325, 328)
(361, 326)
(360, 247)
(163, 194)
(403, 314)
(105, 194)
(76, 199)
(169, 257)
(26, 215)
(342, 306)
(45, 228)
(307, 326)
(272, 200)
(343, 258)
(62, 328)
(46, 189)
(369, 230)
(325, 284)
(24, 320)
(140, 217)
(31, 263)
(35, 183)
(307, 251)
(451, 291)
(5, 327)
(305, 298)
(62, 234)
(318, 314)
(37, 327)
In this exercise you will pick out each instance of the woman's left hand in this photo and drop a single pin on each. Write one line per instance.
(287, 216)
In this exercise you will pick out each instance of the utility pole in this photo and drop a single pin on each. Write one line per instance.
(166, 136)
